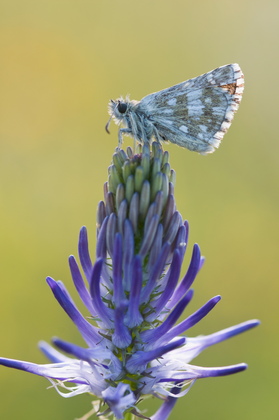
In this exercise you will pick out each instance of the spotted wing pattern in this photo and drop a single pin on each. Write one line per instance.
(198, 112)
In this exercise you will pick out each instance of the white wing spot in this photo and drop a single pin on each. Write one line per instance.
(183, 128)
(195, 111)
(172, 102)
(203, 128)
(167, 111)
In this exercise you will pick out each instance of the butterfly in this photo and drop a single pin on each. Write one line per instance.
(194, 114)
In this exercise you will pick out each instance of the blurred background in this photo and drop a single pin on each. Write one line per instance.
(61, 62)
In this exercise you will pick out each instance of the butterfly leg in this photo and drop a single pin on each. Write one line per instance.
(156, 135)
(122, 131)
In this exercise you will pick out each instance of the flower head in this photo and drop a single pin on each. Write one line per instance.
(134, 345)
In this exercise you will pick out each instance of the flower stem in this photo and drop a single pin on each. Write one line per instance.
(129, 416)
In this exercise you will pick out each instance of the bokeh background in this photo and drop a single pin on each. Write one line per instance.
(60, 63)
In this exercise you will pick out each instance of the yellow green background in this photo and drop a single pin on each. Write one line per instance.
(60, 63)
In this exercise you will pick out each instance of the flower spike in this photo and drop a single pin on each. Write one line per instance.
(132, 294)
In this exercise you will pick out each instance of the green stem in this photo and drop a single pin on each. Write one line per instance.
(129, 416)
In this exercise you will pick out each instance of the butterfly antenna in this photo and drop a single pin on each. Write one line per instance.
(108, 123)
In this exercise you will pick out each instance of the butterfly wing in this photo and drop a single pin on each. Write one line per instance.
(198, 112)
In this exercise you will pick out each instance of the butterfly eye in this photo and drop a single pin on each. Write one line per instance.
(122, 107)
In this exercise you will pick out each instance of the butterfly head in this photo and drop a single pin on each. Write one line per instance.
(118, 110)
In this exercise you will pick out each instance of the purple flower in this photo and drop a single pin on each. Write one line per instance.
(134, 346)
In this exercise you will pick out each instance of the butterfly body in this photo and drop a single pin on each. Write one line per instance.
(194, 114)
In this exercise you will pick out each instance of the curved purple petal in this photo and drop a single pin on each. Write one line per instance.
(192, 319)
(83, 250)
(101, 247)
(104, 313)
(52, 354)
(80, 286)
(189, 277)
(88, 332)
(139, 360)
(205, 341)
(58, 371)
(133, 316)
(158, 334)
(174, 272)
(121, 337)
(128, 254)
(166, 408)
(155, 272)
(118, 291)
